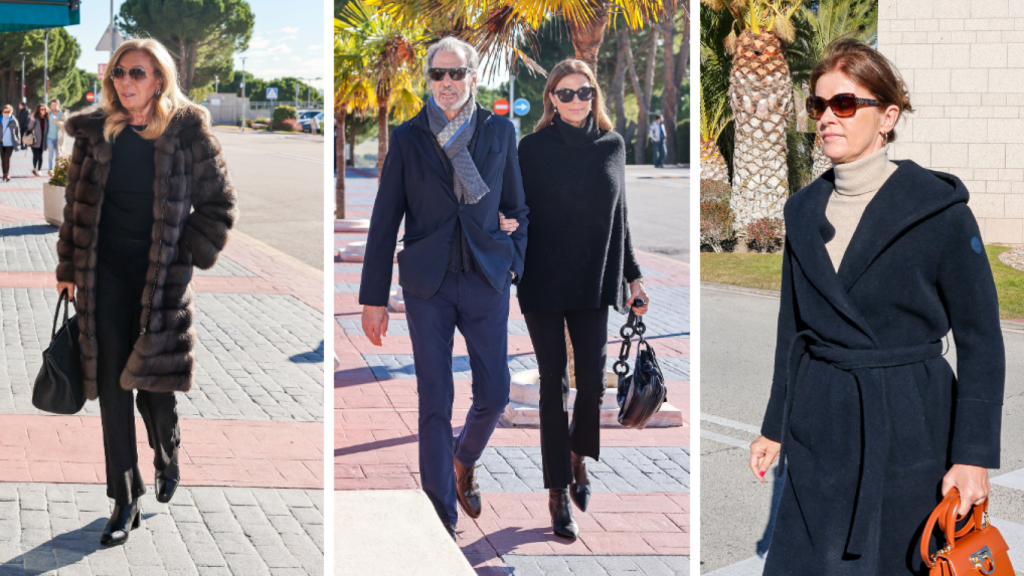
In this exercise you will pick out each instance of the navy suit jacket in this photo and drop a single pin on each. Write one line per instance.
(417, 184)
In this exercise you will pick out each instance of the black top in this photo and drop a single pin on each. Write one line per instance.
(128, 196)
(578, 252)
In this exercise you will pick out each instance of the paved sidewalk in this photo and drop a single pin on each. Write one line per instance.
(638, 522)
(251, 500)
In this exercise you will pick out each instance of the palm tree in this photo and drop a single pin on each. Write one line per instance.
(833, 20)
(353, 93)
(761, 96)
(389, 55)
(500, 26)
(715, 113)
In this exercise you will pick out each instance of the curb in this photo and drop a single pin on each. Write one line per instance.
(290, 260)
(740, 289)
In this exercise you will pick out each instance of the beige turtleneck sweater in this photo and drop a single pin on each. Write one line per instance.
(856, 184)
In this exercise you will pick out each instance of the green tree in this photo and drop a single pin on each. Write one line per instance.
(63, 54)
(195, 32)
(87, 81)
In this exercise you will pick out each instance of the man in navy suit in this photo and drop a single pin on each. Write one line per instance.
(453, 173)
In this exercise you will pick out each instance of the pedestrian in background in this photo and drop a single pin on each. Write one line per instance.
(872, 425)
(579, 262)
(148, 162)
(657, 134)
(450, 172)
(37, 129)
(53, 130)
(11, 133)
(23, 120)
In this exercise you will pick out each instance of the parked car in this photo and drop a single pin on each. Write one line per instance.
(304, 121)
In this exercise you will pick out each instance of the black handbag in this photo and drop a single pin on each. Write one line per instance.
(59, 386)
(640, 394)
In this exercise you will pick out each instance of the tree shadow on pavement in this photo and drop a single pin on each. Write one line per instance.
(371, 446)
(312, 357)
(28, 230)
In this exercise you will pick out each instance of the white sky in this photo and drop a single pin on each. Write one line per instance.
(287, 38)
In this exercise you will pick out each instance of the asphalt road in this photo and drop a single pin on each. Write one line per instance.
(737, 350)
(280, 183)
(659, 210)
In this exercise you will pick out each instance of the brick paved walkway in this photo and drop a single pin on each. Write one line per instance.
(251, 500)
(638, 522)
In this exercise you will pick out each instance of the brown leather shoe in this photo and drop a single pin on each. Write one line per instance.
(468, 489)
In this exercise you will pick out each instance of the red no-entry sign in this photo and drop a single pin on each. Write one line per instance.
(501, 106)
(89, 97)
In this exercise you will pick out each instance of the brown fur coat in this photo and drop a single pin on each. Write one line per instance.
(199, 212)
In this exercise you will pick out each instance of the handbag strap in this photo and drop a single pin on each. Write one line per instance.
(946, 516)
(56, 313)
(634, 327)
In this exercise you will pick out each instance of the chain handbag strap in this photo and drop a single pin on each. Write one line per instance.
(159, 251)
(634, 327)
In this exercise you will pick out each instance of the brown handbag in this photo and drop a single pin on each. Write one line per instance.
(976, 549)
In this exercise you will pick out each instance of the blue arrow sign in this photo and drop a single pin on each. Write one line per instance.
(521, 106)
(271, 93)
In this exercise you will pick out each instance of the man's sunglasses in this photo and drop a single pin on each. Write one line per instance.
(137, 74)
(586, 94)
(456, 74)
(842, 105)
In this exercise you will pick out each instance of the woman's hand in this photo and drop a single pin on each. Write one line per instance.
(971, 481)
(636, 289)
(763, 453)
(69, 286)
(507, 224)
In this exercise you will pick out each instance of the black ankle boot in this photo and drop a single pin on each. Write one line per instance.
(165, 484)
(122, 520)
(562, 521)
(580, 489)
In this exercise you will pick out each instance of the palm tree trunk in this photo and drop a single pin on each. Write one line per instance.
(670, 94)
(382, 130)
(587, 37)
(339, 155)
(619, 80)
(352, 144)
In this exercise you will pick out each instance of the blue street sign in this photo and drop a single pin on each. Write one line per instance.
(271, 93)
(521, 106)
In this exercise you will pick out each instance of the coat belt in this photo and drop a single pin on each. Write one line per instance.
(865, 367)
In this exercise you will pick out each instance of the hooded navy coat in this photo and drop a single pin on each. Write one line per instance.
(869, 413)
(417, 184)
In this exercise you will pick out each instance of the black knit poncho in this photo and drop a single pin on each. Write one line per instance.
(578, 253)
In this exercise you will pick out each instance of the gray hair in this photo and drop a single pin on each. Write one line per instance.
(453, 44)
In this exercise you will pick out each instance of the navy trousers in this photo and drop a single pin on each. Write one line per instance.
(468, 302)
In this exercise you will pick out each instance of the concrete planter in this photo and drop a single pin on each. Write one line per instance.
(53, 204)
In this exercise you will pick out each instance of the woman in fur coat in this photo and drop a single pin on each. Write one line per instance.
(882, 260)
(148, 198)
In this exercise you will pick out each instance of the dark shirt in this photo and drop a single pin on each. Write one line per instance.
(128, 197)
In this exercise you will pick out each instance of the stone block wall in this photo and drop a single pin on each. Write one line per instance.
(963, 61)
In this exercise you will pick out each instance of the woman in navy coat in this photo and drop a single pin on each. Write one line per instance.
(871, 423)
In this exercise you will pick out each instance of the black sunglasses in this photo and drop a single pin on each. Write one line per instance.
(457, 74)
(137, 74)
(842, 105)
(586, 94)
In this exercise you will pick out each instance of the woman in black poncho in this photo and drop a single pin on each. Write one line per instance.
(579, 261)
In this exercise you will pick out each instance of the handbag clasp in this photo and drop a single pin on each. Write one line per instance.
(983, 560)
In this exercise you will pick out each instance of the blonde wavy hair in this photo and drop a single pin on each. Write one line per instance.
(561, 70)
(169, 99)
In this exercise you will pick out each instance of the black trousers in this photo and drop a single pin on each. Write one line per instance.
(37, 158)
(5, 159)
(120, 280)
(588, 331)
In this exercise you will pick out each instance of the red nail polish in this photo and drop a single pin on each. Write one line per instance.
(762, 473)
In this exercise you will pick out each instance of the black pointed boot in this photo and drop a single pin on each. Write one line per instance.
(165, 484)
(122, 520)
(562, 522)
(580, 489)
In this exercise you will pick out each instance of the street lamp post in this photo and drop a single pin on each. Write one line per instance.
(23, 99)
(243, 91)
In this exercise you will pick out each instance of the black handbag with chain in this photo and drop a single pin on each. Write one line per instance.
(640, 394)
(59, 387)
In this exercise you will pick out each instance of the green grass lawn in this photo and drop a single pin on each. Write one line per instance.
(764, 271)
